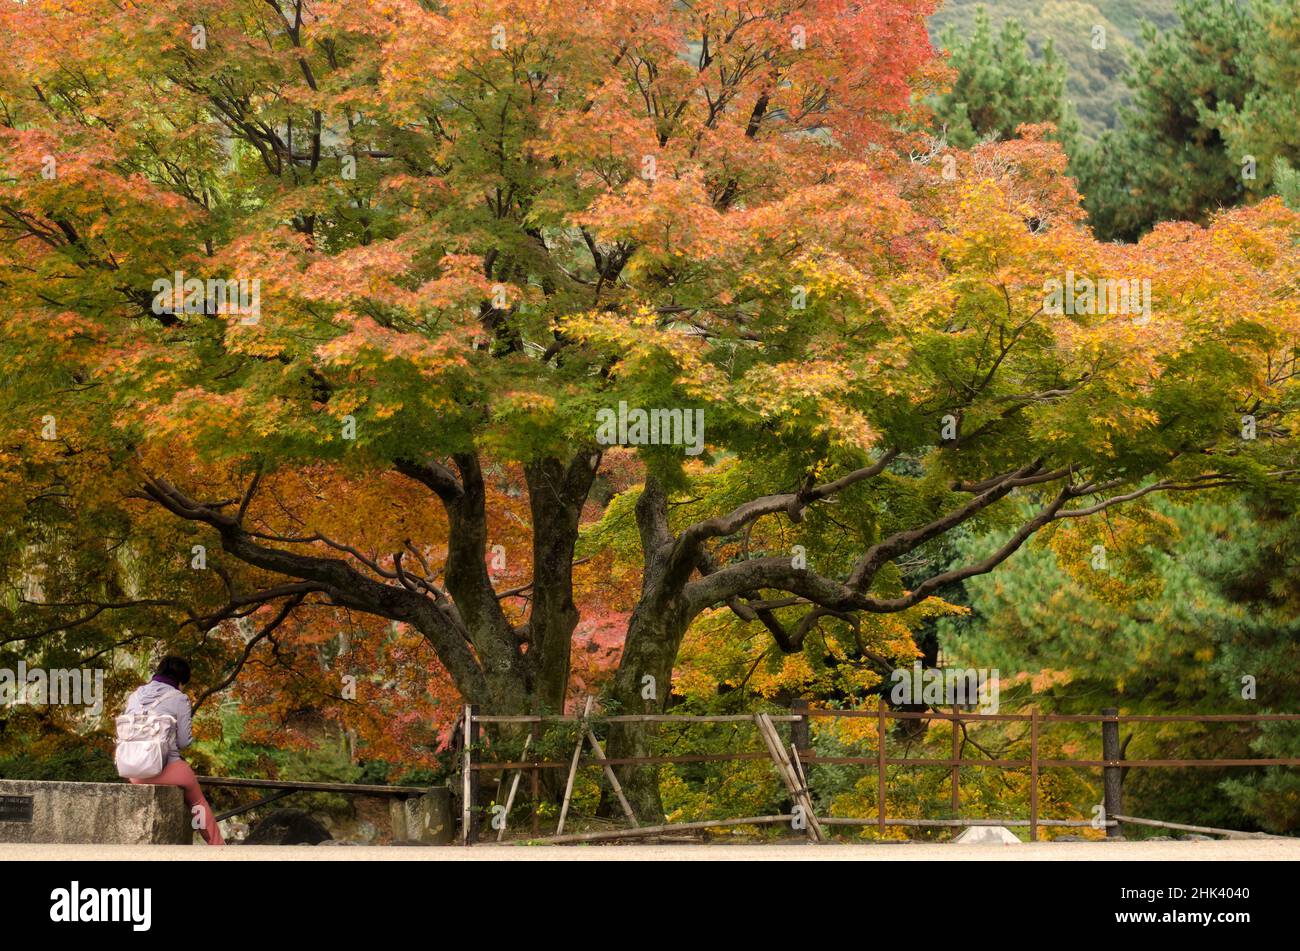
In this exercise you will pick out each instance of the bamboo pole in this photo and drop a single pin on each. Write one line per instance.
(609, 773)
(1208, 830)
(573, 766)
(652, 830)
(807, 789)
(786, 771)
(467, 768)
(960, 823)
(514, 788)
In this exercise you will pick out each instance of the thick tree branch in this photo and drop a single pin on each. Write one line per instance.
(344, 584)
(793, 504)
(903, 542)
(285, 611)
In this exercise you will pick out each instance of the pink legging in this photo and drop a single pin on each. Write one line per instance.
(178, 773)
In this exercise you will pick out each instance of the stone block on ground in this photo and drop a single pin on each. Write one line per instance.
(424, 820)
(986, 835)
(64, 813)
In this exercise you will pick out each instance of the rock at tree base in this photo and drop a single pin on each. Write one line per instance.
(287, 827)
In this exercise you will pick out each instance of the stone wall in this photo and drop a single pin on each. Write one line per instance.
(92, 813)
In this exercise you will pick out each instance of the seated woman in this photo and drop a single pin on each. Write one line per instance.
(163, 695)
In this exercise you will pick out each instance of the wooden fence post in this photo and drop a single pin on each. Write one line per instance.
(1033, 775)
(801, 729)
(1112, 776)
(470, 816)
(880, 765)
(956, 770)
(535, 734)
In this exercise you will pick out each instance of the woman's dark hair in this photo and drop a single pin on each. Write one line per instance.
(177, 668)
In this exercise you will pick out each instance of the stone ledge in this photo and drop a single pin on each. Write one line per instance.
(94, 813)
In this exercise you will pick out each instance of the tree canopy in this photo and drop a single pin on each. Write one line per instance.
(473, 229)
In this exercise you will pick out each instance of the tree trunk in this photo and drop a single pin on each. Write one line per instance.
(556, 495)
(643, 684)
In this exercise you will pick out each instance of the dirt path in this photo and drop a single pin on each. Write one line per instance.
(1165, 851)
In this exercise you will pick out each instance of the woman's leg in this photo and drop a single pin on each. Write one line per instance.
(178, 773)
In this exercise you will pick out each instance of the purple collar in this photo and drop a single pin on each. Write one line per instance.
(161, 679)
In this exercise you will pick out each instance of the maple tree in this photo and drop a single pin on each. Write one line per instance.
(473, 228)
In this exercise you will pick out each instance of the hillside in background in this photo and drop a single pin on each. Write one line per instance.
(1095, 77)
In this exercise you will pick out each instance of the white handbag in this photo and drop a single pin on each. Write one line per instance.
(142, 742)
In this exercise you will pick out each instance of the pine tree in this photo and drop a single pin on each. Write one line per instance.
(1195, 607)
(1000, 85)
(1169, 159)
(1266, 128)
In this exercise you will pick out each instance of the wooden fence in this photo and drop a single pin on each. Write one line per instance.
(791, 758)
(288, 787)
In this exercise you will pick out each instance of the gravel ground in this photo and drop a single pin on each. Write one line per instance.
(1165, 851)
